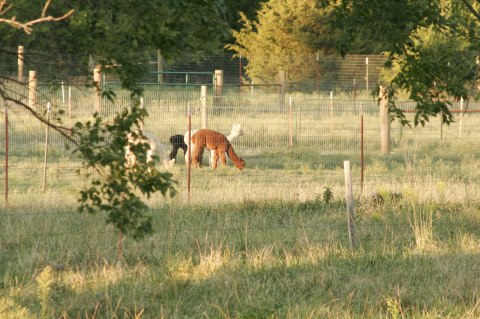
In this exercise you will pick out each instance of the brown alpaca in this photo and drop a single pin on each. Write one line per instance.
(216, 142)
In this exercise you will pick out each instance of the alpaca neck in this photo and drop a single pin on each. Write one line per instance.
(232, 136)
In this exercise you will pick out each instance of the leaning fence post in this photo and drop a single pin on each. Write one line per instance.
(350, 205)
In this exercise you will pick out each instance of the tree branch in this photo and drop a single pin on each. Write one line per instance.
(27, 27)
(2, 4)
(64, 131)
(472, 9)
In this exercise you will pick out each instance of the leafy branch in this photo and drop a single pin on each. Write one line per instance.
(117, 185)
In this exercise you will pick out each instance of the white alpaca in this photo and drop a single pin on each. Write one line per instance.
(236, 131)
(155, 147)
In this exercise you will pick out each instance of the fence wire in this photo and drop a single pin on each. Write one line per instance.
(294, 145)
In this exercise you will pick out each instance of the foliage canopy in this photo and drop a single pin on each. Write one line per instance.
(432, 45)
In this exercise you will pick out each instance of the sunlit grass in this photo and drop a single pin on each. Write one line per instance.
(264, 242)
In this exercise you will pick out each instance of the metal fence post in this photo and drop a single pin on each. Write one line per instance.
(6, 156)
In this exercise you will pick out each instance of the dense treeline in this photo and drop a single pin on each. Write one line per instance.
(431, 46)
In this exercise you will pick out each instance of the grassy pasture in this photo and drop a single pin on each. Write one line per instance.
(264, 242)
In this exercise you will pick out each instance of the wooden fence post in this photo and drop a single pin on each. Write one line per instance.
(203, 103)
(384, 122)
(350, 205)
(159, 66)
(97, 89)
(20, 62)
(218, 82)
(366, 78)
(32, 89)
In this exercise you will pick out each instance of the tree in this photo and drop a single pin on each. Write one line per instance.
(279, 39)
(433, 45)
(116, 33)
(120, 32)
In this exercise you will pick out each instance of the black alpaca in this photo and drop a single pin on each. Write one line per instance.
(177, 142)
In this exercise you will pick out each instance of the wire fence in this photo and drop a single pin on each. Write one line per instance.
(283, 138)
(294, 145)
(64, 237)
(326, 72)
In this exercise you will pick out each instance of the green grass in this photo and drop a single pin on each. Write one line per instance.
(261, 243)
(258, 243)
(250, 259)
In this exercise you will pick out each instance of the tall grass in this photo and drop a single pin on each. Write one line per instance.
(250, 259)
(269, 241)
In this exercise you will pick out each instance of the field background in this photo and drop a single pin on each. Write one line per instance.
(270, 241)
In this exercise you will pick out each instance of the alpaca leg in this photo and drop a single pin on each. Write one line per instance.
(196, 155)
(189, 153)
(223, 159)
(173, 154)
(200, 155)
(214, 158)
(177, 142)
(184, 148)
(187, 157)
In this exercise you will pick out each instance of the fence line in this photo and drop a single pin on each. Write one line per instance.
(326, 72)
(324, 131)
